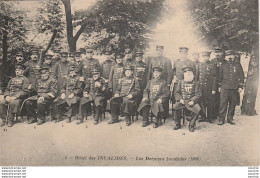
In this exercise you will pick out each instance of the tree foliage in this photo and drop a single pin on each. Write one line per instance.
(12, 28)
(122, 23)
(232, 23)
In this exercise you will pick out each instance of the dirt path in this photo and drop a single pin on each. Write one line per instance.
(86, 145)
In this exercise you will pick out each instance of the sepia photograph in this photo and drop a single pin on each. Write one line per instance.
(129, 83)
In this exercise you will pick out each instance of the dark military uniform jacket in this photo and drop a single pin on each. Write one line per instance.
(127, 86)
(165, 64)
(207, 77)
(96, 92)
(17, 87)
(43, 87)
(106, 68)
(60, 72)
(155, 89)
(231, 75)
(115, 76)
(188, 91)
(140, 72)
(32, 71)
(71, 85)
(179, 64)
(86, 67)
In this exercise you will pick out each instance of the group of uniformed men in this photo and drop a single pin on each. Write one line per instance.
(68, 85)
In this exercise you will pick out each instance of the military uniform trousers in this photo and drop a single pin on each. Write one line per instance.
(14, 109)
(190, 112)
(207, 102)
(100, 104)
(67, 110)
(189, 115)
(38, 108)
(3, 107)
(228, 101)
(126, 105)
(157, 110)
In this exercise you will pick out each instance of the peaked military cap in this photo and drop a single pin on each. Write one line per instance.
(20, 66)
(187, 68)
(95, 71)
(157, 68)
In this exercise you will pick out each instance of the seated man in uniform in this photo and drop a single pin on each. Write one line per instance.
(96, 91)
(187, 96)
(46, 88)
(16, 91)
(154, 97)
(71, 92)
(125, 96)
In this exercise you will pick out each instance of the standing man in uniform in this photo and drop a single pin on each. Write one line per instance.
(78, 59)
(107, 64)
(16, 91)
(155, 94)
(33, 67)
(195, 59)
(61, 70)
(46, 88)
(207, 77)
(129, 58)
(125, 97)
(167, 72)
(116, 73)
(48, 62)
(231, 81)
(218, 60)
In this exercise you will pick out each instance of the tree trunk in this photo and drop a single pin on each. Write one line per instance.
(249, 98)
(71, 41)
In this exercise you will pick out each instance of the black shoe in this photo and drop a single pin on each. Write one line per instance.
(68, 120)
(220, 122)
(191, 128)
(10, 123)
(145, 124)
(128, 123)
(31, 121)
(231, 122)
(155, 125)
(210, 121)
(58, 120)
(95, 122)
(40, 122)
(112, 122)
(176, 127)
(80, 121)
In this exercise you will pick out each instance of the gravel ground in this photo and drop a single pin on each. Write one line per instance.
(62, 144)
